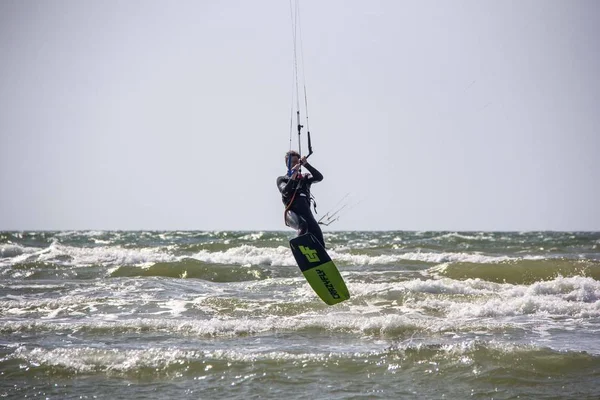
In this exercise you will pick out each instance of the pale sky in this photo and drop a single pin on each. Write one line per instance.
(438, 115)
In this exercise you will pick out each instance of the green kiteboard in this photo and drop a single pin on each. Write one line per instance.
(318, 269)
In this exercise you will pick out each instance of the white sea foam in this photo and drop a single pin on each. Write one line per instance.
(251, 255)
(248, 255)
(252, 236)
(576, 297)
(474, 236)
(81, 233)
(160, 359)
(473, 298)
(240, 255)
(372, 310)
(105, 255)
(100, 241)
(230, 327)
(50, 308)
(90, 359)
(363, 259)
(127, 297)
(82, 256)
(472, 287)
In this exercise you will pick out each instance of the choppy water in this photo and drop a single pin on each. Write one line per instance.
(228, 315)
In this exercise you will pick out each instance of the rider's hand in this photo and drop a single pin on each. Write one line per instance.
(296, 169)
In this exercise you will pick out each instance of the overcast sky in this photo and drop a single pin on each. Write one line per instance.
(438, 115)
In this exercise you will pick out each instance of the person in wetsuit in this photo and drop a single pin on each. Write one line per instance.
(295, 194)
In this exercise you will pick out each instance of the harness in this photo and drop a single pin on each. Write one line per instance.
(311, 198)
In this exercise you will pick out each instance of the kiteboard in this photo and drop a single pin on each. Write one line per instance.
(318, 269)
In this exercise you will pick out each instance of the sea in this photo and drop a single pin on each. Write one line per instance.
(228, 315)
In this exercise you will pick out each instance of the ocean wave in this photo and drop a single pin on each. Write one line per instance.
(474, 236)
(252, 255)
(372, 324)
(392, 307)
(104, 255)
(476, 358)
(85, 233)
(541, 361)
(519, 271)
(563, 296)
(253, 236)
(14, 250)
(248, 255)
(464, 263)
(574, 297)
(191, 268)
(364, 259)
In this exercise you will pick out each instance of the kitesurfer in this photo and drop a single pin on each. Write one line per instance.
(295, 193)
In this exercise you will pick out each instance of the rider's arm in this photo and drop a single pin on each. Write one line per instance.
(286, 186)
(316, 175)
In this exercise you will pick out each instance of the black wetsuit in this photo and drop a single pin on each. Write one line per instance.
(301, 202)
